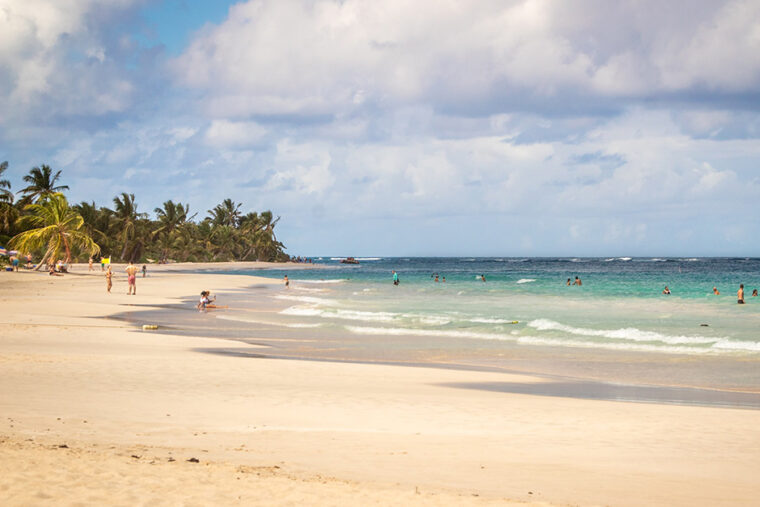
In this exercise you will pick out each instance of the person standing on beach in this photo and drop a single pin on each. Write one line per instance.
(287, 282)
(131, 279)
(395, 277)
(109, 282)
(144, 270)
(740, 294)
(89, 264)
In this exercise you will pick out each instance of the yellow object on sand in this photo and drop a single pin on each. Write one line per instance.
(149, 326)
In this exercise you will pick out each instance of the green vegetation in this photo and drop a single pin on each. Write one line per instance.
(40, 221)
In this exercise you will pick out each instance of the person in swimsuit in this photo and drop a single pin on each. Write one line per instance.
(569, 283)
(131, 279)
(754, 293)
(436, 277)
(287, 282)
(144, 270)
(740, 294)
(577, 281)
(716, 291)
(109, 282)
(482, 278)
(666, 290)
(89, 264)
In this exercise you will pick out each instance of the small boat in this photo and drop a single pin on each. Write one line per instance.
(349, 260)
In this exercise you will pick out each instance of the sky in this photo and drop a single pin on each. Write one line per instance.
(396, 128)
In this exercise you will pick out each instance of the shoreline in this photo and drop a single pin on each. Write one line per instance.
(74, 375)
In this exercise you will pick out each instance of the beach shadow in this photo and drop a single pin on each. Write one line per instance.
(620, 392)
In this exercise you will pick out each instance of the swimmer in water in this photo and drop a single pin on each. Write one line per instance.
(666, 290)
(716, 291)
(482, 278)
(577, 281)
(740, 294)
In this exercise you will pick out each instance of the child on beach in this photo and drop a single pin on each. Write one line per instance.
(206, 301)
(109, 282)
(287, 282)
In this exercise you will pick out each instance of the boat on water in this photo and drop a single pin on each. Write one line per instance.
(349, 260)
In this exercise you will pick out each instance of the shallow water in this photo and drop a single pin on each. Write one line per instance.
(617, 327)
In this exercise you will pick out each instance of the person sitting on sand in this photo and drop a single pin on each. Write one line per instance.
(716, 291)
(206, 301)
(740, 294)
(51, 270)
(666, 290)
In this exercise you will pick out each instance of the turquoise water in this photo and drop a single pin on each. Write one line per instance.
(620, 305)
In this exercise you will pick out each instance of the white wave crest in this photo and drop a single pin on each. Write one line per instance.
(336, 280)
(526, 280)
(490, 321)
(629, 333)
(308, 299)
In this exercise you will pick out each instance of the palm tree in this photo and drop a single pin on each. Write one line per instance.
(170, 218)
(42, 182)
(125, 220)
(226, 213)
(5, 186)
(55, 226)
(8, 213)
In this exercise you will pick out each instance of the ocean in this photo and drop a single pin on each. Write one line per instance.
(615, 327)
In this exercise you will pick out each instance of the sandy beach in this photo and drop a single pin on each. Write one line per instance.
(95, 410)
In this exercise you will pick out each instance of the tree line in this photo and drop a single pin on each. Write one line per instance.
(38, 220)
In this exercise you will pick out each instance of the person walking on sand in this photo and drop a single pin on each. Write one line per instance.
(131, 279)
(740, 294)
(144, 270)
(109, 282)
(89, 264)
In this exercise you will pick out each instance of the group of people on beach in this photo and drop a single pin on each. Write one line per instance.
(716, 292)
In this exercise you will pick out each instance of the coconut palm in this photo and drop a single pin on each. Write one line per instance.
(42, 182)
(5, 186)
(8, 212)
(226, 213)
(56, 227)
(170, 218)
(125, 219)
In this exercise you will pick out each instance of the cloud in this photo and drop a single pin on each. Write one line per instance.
(333, 57)
(59, 61)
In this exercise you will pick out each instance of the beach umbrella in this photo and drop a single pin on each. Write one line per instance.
(2, 251)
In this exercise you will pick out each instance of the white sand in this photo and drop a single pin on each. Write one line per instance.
(279, 432)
